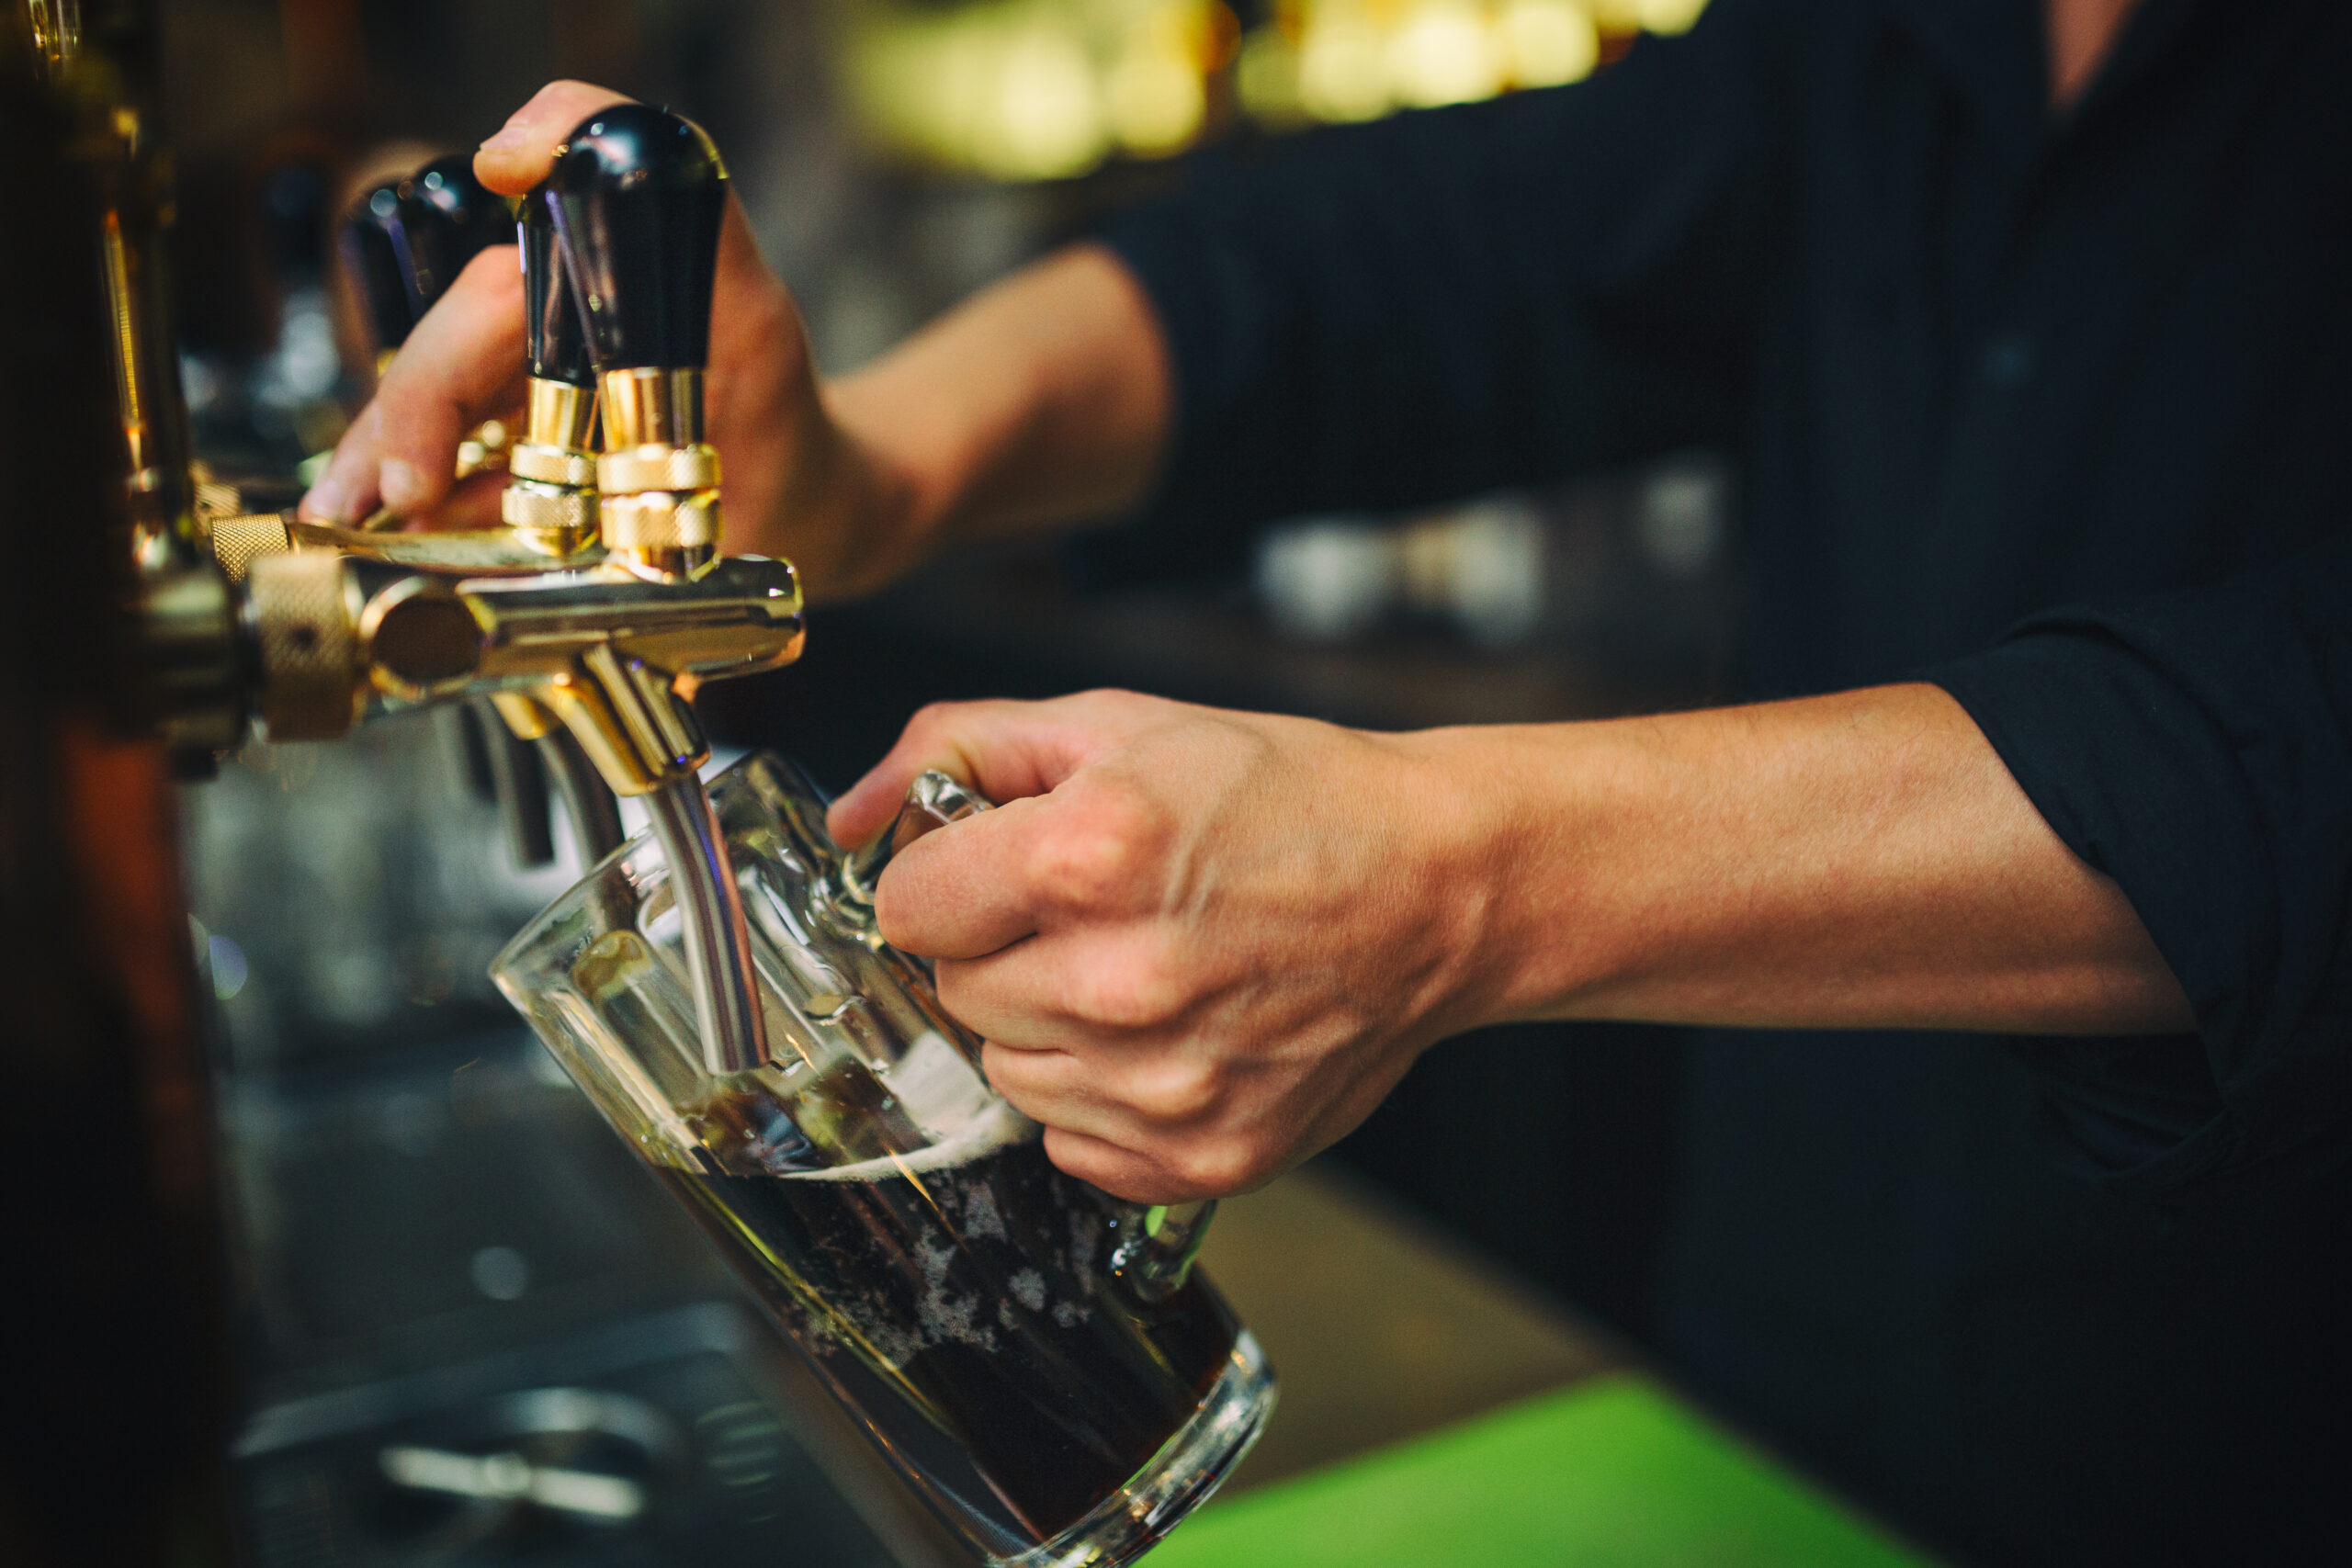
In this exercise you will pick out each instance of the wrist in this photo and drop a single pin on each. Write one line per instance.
(1525, 818)
(883, 507)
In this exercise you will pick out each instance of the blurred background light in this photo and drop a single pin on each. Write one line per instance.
(1026, 90)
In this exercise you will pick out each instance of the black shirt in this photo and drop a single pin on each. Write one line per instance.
(2056, 409)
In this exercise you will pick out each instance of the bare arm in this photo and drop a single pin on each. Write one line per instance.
(1041, 402)
(1861, 860)
(1202, 944)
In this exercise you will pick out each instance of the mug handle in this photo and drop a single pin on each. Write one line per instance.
(1157, 1246)
(1157, 1243)
(933, 800)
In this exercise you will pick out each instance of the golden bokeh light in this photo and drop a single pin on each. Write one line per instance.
(1046, 89)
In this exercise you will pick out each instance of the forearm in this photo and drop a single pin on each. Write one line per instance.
(1855, 861)
(1041, 403)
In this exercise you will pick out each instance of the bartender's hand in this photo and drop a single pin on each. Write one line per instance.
(464, 363)
(1202, 945)
(1041, 403)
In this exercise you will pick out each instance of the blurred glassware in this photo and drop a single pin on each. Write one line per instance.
(353, 896)
(1631, 561)
(1481, 567)
(1328, 579)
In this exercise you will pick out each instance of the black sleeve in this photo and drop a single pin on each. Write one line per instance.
(2197, 749)
(1458, 299)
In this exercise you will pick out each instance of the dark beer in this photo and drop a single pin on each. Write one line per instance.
(960, 1302)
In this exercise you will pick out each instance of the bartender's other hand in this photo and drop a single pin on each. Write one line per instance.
(1201, 945)
(783, 456)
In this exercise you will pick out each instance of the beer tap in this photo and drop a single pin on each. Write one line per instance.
(191, 627)
(611, 640)
(447, 217)
(302, 630)
(638, 197)
(403, 243)
(550, 497)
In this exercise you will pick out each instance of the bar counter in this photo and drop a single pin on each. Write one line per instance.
(1432, 1411)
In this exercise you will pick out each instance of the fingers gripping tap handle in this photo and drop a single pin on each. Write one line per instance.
(1156, 1243)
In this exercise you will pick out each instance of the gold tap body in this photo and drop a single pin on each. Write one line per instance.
(550, 498)
(601, 604)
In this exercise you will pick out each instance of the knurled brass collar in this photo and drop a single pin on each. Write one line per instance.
(304, 618)
(237, 540)
(657, 520)
(548, 509)
(553, 465)
(638, 468)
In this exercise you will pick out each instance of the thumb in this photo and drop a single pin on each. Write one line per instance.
(523, 152)
(1004, 750)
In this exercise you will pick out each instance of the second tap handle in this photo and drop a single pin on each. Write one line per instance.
(371, 257)
(638, 196)
(551, 498)
(446, 217)
(555, 345)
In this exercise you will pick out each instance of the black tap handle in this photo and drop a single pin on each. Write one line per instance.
(639, 193)
(445, 218)
(371, 257)
(555, 345)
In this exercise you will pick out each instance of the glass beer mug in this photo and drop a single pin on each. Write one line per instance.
(1038, 1360)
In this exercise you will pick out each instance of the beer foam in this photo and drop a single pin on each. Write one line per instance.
(996, 1126)
(938, 1084)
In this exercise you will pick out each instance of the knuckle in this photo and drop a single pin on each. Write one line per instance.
(958, 994)
(1112, 699)
(1089, 1160)
(1087, 867)
(1127, 991)
(931, 721)
(1105, 845)
(1012, 1074)
(1180, 1093)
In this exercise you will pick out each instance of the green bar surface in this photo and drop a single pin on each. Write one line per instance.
(1613, 1471)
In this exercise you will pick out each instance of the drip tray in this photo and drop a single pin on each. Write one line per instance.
(649, 1444)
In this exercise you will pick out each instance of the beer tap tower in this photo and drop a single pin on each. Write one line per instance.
(607, 634)
(183, 626)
